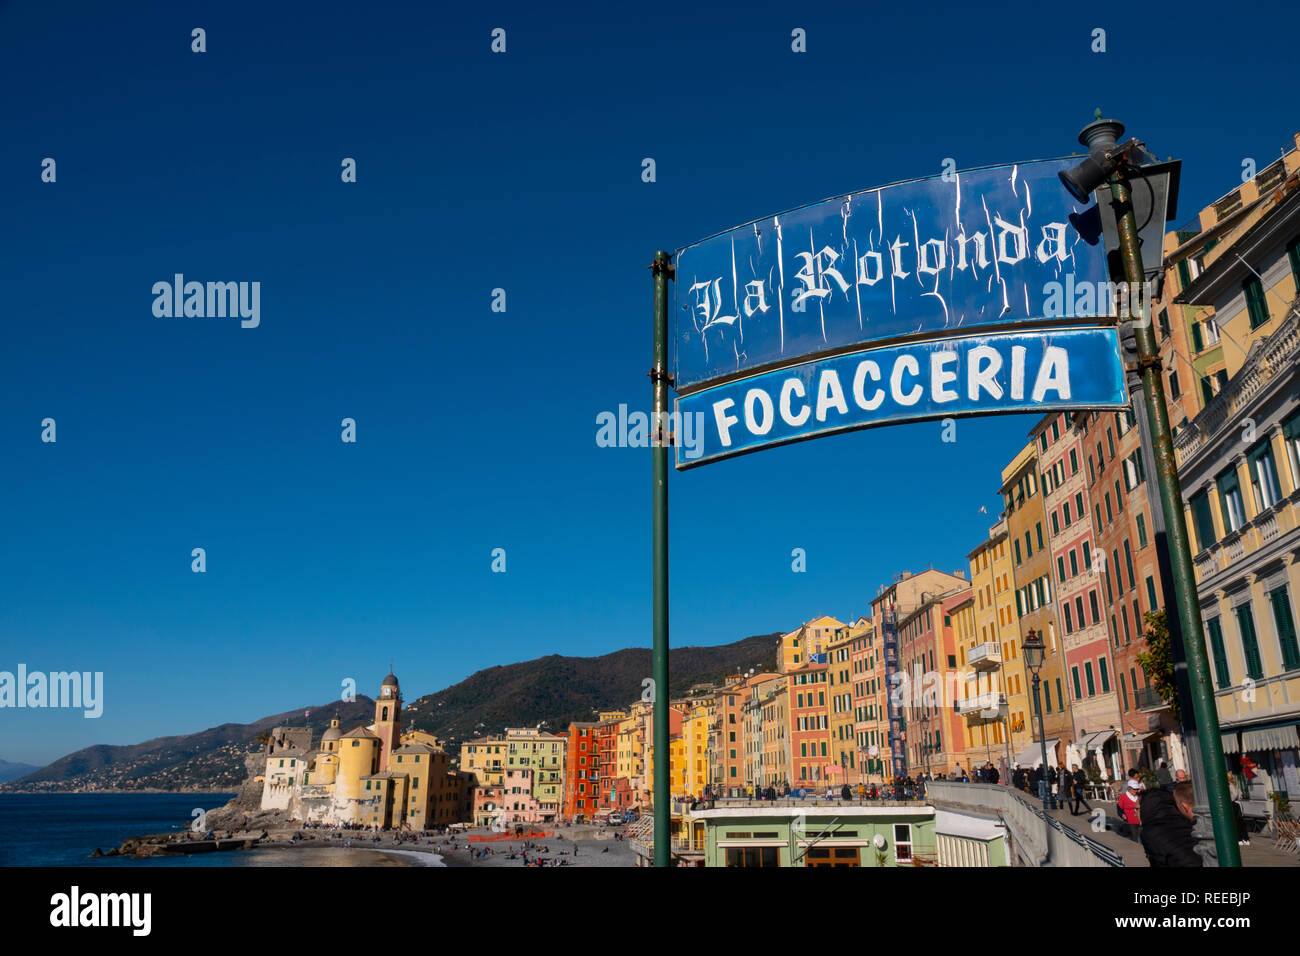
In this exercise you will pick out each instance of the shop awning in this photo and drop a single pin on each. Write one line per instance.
(1032, 756)
(1229, 738)
(1270, 738)
(1133, 740)
(1098, 740)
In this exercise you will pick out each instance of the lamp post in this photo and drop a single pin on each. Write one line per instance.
(1114, 163)
(1033, 649)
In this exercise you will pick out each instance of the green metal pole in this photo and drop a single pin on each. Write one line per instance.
(662, 270)
(1045, 781)
(1180, 553)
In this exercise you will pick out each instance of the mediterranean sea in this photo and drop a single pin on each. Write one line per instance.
(63, 829)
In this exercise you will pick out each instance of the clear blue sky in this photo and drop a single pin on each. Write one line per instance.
(476, 430)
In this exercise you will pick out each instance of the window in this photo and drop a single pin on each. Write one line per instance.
(1078, 690)
(1119, 581)
(1087, 557)
(1255, 303)
(1087, 671)
(1263, 476)
(1174, 390)
(753, 856)
(1105, 675)
(902, 842)
(1074, 563)
(1151, 593)
(1017, 550)
(1074, 462)
(1092, 475)
(1078, 504)
(1065, 512)
(1069, 625)
(1056, 525)
(1128, 563)
(1133, 471)
(1092, 604)
(1249, 642)
(1285, 624)
(1291, 439)
(1060, 567)
(1110, 515)
(1142, 531)
(1230, 509)
(1039, 527)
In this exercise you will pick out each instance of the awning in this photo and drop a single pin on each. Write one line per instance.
(1270, 738)
(1133, 739)
(1098, 740)
(1032, 756)
(1229, 738)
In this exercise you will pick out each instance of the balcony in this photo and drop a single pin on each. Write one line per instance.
(985, 657)
(986, 707)
(1147, 699)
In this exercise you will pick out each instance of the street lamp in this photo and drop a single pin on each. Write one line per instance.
(1116, 164)
(1034, 650)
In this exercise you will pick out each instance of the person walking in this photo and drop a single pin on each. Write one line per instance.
(1078, 780)
(1129, 804)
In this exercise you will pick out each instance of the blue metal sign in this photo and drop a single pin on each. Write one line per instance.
(981, 249)
(936, 378)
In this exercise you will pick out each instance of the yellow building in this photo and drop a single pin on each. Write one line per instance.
(806, 640)
(520, 748)
(773, 714)
(696, 728)
(840, 680)
(1239, 466)
(994, 649)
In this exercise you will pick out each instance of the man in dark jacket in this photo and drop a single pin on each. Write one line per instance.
(1167, 819)
(1078, 780)
(1018, 777)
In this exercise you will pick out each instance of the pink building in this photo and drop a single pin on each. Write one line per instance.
(1080, 609)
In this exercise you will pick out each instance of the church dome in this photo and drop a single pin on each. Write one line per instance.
(332, 732)
(390, 680)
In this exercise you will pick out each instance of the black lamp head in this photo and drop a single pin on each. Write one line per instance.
(1100, 137)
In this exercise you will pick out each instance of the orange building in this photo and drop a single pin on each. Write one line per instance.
(582, 772)
(809, 715)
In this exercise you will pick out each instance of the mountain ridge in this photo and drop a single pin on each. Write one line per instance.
(551, 691)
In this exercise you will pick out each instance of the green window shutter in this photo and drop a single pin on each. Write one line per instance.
(1198, 343)
(1229, 490)
(1087, 672)
(1078, 690)
(1255, 303)
(1105, 675)
(1203, 520)
(1286, 633)
(1151, 593)
(1249, 642)
(1219, 652)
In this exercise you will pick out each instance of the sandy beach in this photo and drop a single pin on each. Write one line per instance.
(583, 846)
